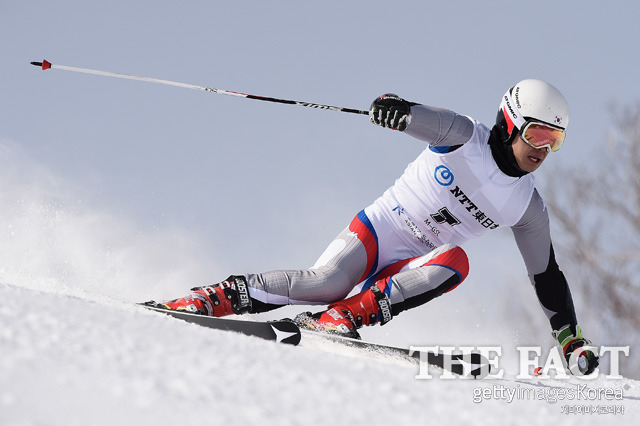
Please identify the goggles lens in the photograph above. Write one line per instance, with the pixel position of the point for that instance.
(541, 135)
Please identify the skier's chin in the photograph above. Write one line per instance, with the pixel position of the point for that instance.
(530, 163)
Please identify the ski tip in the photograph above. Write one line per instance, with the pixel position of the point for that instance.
(44, 64)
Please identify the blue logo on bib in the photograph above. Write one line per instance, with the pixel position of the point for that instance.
(443, 175)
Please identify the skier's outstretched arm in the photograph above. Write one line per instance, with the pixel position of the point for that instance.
(439, 127)
(533, 238)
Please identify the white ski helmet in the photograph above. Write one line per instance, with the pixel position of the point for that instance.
(531, 100)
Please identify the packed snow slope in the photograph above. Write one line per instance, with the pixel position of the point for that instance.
(83, 360)
(76, 350)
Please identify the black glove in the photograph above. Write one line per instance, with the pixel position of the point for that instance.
(571, 341)
(390, 111)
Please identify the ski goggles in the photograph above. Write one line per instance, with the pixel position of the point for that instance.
(541, 135)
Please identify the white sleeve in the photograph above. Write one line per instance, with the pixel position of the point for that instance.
(439, 127)
(533, 236)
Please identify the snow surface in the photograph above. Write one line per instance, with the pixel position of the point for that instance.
(84, 360)
(75, 350)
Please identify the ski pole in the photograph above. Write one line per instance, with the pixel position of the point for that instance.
(48, 65)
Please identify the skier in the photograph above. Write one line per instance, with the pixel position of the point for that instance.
(404, 249)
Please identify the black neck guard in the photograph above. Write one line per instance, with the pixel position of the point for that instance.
(503, 155)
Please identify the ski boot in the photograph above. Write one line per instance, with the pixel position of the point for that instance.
(345, 317)
(231, 296)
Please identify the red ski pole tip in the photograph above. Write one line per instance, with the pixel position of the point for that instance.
(44, 64)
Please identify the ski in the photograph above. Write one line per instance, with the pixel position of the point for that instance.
(286, 331)
(477, 366)
(282, 331)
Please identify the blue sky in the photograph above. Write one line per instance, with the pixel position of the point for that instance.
(256, 186)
